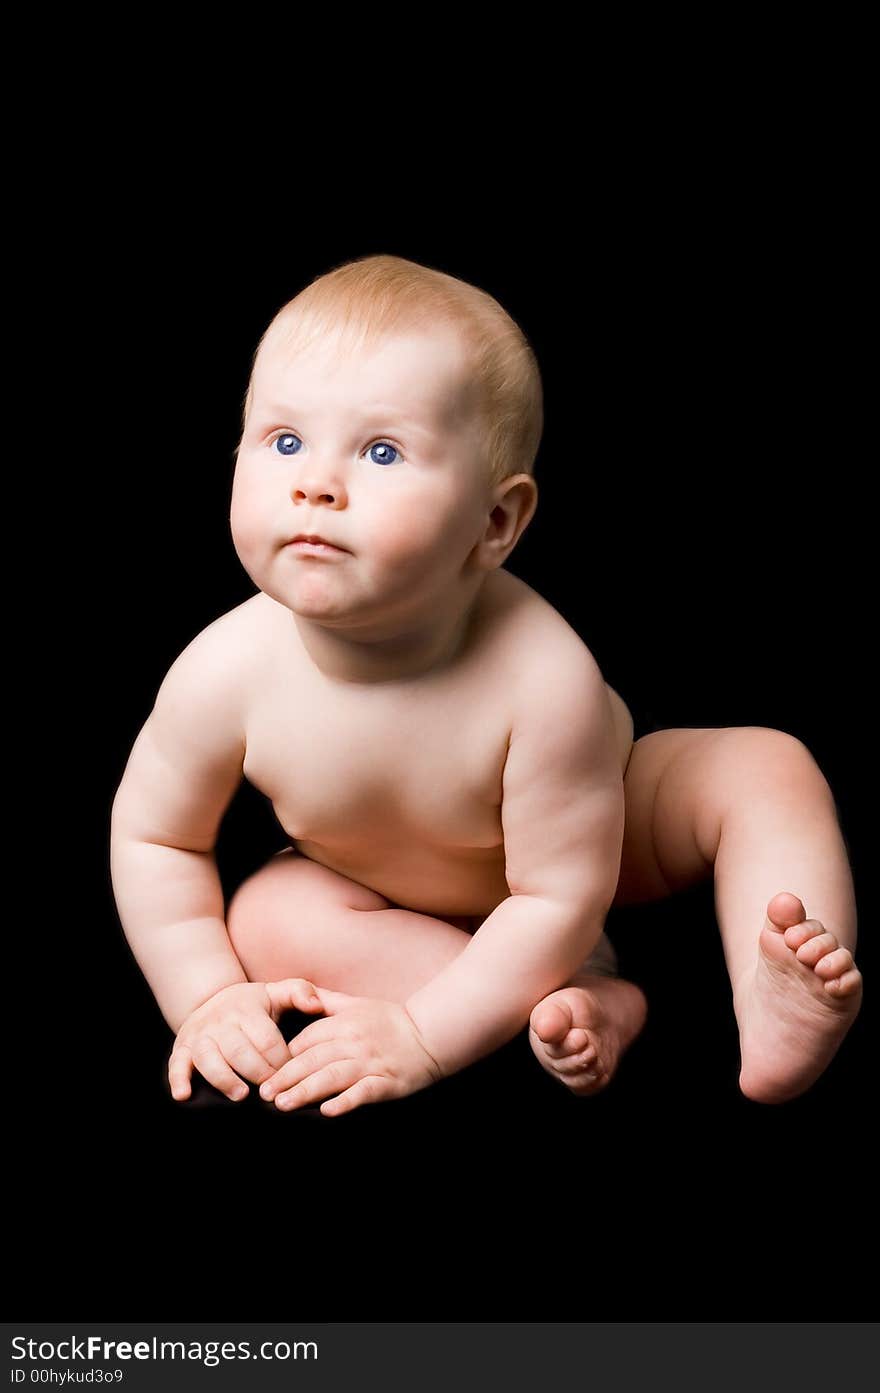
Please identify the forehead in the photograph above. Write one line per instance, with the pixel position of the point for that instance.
(420, 374)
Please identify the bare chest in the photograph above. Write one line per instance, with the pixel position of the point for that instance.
(410, 771)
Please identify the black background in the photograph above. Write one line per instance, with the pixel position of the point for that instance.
(703, 525)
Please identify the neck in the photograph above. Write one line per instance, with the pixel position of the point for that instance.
(392, 653)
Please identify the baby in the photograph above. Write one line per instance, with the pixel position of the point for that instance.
(463, 793)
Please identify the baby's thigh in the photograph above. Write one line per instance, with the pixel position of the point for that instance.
(296, 918)
(287, 918)
(668, 783)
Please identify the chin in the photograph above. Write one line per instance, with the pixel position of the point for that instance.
(310, 603)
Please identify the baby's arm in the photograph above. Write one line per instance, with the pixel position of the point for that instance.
(183, 770)
(563, 818)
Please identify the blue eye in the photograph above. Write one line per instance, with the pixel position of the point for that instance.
(383, 447)
(381, 453)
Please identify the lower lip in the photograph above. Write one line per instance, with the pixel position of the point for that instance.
(315, 549)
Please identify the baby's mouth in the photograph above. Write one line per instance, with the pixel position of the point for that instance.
(314, 545)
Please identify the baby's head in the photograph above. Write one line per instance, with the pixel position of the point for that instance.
(395, 411)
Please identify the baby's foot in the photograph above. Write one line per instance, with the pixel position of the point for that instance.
(579, 1032)
(794, 1012)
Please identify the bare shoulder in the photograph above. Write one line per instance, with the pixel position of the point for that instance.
(542, 649)
(248, 622)
(216, 670)
(550, 672)
(237, 634)
(188, 757)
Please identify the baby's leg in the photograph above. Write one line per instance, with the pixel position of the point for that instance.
(752, 803)
(296, 918)
(580, 1031)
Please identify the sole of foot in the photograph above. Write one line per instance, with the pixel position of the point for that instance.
(796, 1008)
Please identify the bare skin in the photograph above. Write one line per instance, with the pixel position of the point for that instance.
(413, 862)
(749, 805)
(387, 689)
(453, 774)
(390, 778)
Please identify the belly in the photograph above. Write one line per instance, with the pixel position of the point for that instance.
(438, 881)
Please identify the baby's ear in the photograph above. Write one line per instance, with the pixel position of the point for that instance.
(514, 507)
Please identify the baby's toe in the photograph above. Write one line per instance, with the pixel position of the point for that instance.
(801, 933)
(815, 948)
(834, 964)
(572, 1043)
(584, 1062)
(581, 1051)
(551, 1021)
(585, 1081)
(849, 984)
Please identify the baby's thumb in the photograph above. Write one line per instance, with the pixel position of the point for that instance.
(293, 993)
(335, 1001)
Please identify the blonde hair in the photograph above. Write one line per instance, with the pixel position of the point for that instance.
(363, 300)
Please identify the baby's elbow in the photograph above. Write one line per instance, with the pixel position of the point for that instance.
(593, 882)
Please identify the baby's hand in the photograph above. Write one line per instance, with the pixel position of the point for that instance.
(236, 1030)
(364, 1052)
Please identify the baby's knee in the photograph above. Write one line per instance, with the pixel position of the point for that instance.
(254, 908)
(246, 916)
(288, 894)
(766, 758)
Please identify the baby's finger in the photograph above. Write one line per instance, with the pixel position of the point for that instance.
(212, 1066)
(295, 1070)
(180, 1073)
(370, 1089)
(336, 1001)
(268, 1041)
(318, 1033)
(293, 994)
(238, 1050)
(332, 1079)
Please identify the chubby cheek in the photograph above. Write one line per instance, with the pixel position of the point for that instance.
(407, 537)
(247, 523)
(403, 547)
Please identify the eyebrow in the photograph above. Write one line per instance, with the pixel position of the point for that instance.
(375, 413)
